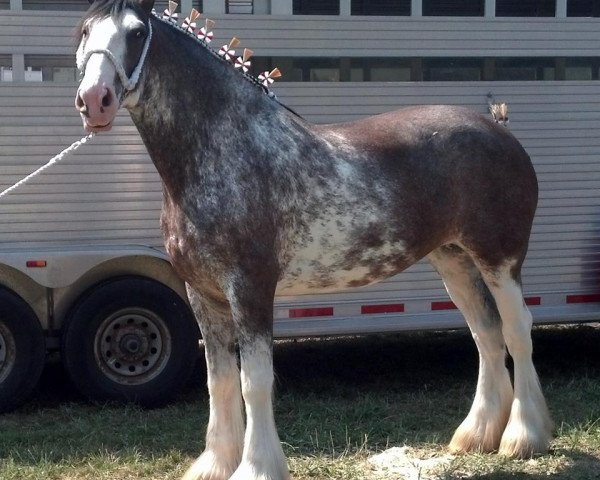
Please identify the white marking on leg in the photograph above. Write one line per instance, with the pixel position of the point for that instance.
(529, 427)
(482, 429)
(263, 457)
(225, 431)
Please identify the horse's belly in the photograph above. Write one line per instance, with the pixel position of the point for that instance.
(340, 259)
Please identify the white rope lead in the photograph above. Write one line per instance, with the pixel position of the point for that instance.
(51, 162)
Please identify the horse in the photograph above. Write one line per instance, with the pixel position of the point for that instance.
(258, 202)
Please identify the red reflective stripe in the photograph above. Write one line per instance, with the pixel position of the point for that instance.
(447, 305)
(585, 298)
(36, 263)
(389, 308)
(311, 312)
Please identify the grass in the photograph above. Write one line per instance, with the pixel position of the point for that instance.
(337, 403)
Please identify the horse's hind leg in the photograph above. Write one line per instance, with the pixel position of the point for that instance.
(482, 428)
(529, 427)
(225, 432)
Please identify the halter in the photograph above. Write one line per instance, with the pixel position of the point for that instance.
(129, 83)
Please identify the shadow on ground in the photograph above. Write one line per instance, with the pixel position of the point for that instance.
(334, 395)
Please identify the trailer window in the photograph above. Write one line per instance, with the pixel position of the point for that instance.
(55, 5)
(319, 69)
(582, 68)
(452, 69)
(50, 68)
(583, 8)
(5, 68)
(380, 7)
(525, 69)
(416, 69)
(525, 8)
(4, 4)
(244, 7)
(453, 8)
(316, 7)
(381, 70)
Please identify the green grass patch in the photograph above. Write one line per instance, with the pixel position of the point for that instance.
(338, 401)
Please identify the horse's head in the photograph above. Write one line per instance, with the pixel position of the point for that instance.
(114, 37)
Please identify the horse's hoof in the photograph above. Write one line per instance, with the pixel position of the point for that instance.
(478, 434)
(529, 430)
(523, 443)
(209, 466)
(247, 471)
(464, 441)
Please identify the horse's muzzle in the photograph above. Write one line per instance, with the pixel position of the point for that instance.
(97, 106)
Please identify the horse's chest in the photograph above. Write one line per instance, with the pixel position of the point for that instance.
(182, 243)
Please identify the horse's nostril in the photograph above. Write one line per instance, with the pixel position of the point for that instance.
(107, 99)
(80, 105)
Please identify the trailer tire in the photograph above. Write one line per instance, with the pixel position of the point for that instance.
(22, 351)
(130, 339)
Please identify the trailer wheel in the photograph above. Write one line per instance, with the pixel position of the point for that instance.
(22, 351)
(130, 339)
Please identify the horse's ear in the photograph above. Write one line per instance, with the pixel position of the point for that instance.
(147, 5)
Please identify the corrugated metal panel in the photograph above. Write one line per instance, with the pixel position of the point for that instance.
(332, 36)
(109, 192)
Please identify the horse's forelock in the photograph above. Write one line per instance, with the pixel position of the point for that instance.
(104, 8)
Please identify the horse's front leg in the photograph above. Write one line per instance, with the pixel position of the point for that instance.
(225, 432)
(252, 310)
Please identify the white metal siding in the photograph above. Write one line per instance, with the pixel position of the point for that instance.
(326, 36)
(109, 192)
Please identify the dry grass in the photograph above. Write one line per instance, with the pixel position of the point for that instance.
(338, 402)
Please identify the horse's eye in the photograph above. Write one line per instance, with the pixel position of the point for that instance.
(85, 32)
(138, 32)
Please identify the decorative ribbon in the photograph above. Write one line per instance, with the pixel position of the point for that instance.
(499, 112)
(243, 62)
(227, 51)
(169, 13)
(189, 24)
(205, 34)
(267, 78)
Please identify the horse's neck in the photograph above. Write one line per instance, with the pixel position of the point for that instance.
(195, 107)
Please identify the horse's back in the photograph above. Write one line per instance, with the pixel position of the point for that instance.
(453, 174)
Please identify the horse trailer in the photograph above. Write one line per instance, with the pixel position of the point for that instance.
(82, 268)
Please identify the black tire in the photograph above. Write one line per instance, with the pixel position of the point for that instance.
(22, 351)
(130, 339)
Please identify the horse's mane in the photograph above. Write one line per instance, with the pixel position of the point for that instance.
(104, 8)
(247, 76)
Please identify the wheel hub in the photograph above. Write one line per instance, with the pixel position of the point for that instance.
(132, 346)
